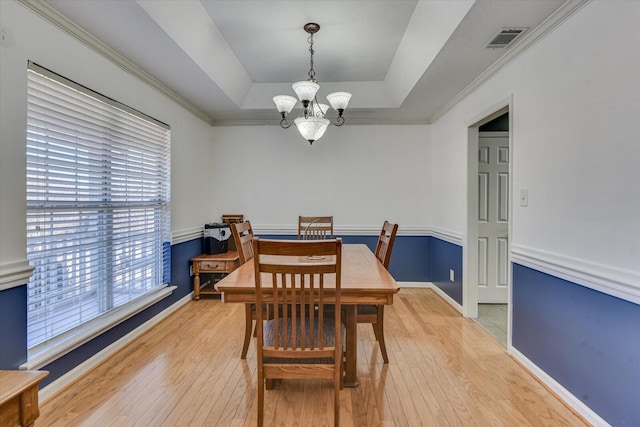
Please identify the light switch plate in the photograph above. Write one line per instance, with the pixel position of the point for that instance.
(524, 198)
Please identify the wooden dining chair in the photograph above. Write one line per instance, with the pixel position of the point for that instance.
(371, 313)
(243, 236)
(297, 341)
(315, 227)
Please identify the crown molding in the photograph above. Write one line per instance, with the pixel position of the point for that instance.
(564, 12)
(82, 35)
(56, 18)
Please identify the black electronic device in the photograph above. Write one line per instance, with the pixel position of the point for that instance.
(216, 238)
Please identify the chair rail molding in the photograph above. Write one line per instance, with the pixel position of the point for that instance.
(447, 235)
(345, 230)
(186, 235)
(15, 273)
(620, 283)
(348, 230)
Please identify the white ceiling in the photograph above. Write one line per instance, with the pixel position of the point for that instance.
(403, 60)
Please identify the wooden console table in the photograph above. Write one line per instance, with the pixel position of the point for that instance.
(19, 397)
(219, 263)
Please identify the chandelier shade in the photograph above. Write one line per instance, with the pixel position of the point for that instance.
(322, 110)
(284, 103)
(311, 128)
(339, 100)
(305, 90)
(311, 123)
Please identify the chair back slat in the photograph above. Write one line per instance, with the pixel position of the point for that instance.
(243, 236)
(385, 243)
(315, 227)
(294, 277)
(298, 273)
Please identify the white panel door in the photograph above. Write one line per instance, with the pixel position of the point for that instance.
(493, 217)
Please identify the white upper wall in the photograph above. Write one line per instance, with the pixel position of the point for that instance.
(362, 175)
(576, 105)
(29, 37)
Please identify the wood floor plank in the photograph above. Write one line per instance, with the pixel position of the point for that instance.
(444, 370)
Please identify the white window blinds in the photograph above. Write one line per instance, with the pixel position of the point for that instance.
(98, 180)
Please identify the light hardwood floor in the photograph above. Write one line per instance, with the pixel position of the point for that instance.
(444, 370)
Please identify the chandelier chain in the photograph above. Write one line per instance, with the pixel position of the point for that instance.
(312, 73)
(312, 121)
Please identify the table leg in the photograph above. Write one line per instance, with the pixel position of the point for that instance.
(351, 368)
(196, 285)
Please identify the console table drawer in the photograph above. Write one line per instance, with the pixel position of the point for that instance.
(218, 265)
(213, 266)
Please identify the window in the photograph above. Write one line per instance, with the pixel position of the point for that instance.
(98, 232)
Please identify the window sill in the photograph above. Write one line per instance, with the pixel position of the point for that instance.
(67, 343)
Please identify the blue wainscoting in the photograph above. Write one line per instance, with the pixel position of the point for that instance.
(410, 258)
(13, 319)
(411, 261)
(447, 256)
(13, 327)
(180, 256)
(589, 342)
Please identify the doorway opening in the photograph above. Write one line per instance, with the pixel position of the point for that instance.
(486, 258)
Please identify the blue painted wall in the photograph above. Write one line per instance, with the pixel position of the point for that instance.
(586, 340)
(410, 257)
(13, 319)
(409, 262)
(13, 327)
(446, 256)
(414, 258)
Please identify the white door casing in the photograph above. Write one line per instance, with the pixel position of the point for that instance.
(493, 217)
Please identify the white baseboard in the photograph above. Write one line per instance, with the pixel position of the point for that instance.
(59, 384)
(565, 395)
(576, 404)
(444, 296)
(415, 285)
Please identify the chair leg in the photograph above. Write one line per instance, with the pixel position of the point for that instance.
(379, 326)
(260, 398)
(247, 330)
(342, 370)
(337, 386)
(336, 406)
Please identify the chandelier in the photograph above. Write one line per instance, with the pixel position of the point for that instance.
(311, 122)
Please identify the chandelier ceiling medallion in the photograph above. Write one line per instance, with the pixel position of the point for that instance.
(311, 122)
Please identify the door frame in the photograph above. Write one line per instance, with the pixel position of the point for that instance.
(470, 239)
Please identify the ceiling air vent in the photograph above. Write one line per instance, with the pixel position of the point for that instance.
(505, 37)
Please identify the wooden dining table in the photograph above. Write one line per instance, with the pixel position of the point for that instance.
(364, 280)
